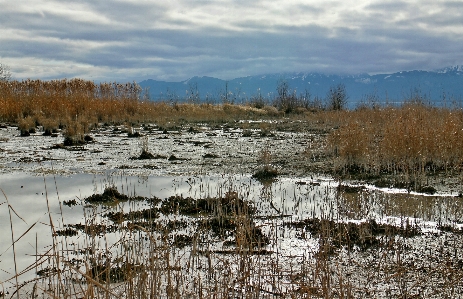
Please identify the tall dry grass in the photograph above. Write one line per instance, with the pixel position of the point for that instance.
(411, 139)
(80, 104)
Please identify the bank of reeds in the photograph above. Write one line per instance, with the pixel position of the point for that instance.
(85, 103)
(412, 139)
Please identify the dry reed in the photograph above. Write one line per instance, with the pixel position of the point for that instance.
(143, 259)
(412, 139)
(78, 104)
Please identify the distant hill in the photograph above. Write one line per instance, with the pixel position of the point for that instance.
(440, 87)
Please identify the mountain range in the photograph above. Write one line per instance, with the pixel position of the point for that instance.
(440, 87)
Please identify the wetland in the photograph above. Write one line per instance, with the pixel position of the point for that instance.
(241, 209)
(106, 194)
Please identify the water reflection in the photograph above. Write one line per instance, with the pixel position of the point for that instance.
(31, 197)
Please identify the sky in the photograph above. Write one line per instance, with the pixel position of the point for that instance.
(174, 40)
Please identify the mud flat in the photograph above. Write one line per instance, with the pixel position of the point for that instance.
(179, 212)
(225, 148)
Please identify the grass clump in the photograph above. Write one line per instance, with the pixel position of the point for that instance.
(266, 171)
(363, 235)
(144, 155)
(109, 195)
(144, 214)
(70, 203)
(228, 205)
(113, 273)
(94, 229)
(73, 141)
(67, 232)
(265, 174)
(185, 206)
(26, 126)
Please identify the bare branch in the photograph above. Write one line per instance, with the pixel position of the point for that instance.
(5, 74)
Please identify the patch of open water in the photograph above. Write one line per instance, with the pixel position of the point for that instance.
(33, 200)
(32, 197)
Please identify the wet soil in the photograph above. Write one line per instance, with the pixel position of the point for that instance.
(215, 149)
(297, 150)
(222, 217)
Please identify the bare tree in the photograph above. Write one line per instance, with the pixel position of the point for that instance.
(284, 100)
(192, 95)
(229, 96)
(283, 89)
(337, 97)
(288, 101)
(5, 74)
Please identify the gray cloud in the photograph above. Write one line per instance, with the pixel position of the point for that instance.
(174, 40)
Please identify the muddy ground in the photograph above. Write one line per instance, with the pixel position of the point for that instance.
(292, 148)
(189, 149)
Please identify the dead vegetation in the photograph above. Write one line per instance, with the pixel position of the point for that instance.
(266, 171)
(169, 250)
(77, 105)
(402, 145)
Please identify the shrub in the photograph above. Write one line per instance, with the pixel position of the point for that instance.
(287, 100)
(271, 111)
(257, 102)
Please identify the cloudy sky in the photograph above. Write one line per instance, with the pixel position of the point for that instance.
(177, 39)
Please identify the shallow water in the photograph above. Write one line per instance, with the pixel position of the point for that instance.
(32, 197)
